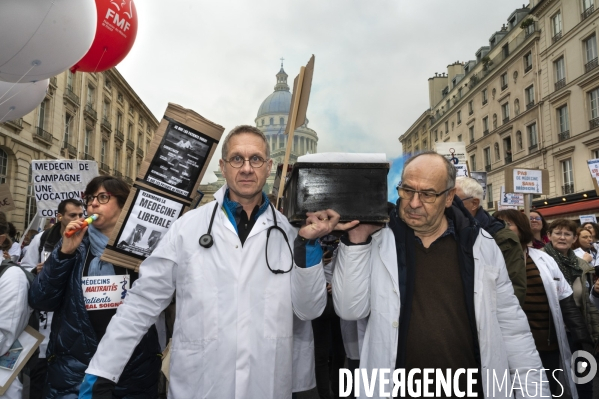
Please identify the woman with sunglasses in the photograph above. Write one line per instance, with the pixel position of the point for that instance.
(539, 229)
(549, 306)
(78, 327)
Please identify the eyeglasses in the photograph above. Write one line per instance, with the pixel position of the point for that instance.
(465, 199)
(427, 197)
(238, 161)
(103, 198)
(535, 218)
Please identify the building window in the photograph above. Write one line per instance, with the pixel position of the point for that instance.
(459, 137)
(505, 50)
(130, 131)
(594, 104)
(459, 117)
(556, 26)
(424, 144)
(103, 151)
(490, 196)
(282, 143)
(3, 166)
(42, 114)
(91, 95)
(117, 159)
(87, 140)
(562, 119)
(128, 167)
(487, 158)
(505, 111)
(528, 62)
(595, 154)
(531, 131)
(262, 121)
(485, 96)
(106, 111)
(272, 121)
(30, 206)
(446, 127)
(471, 133)
(436, 136)
(140, 140)
(281, 121)
(470, 108)
(560, 73)
(519, 140)
(70, 80)
(473, 162)
(485, 125)
(119, 122)
(503, 80)
(68, 128)
(567, 176)
(590, 49)
(529, 94)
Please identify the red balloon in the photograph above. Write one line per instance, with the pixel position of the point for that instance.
(115, 35)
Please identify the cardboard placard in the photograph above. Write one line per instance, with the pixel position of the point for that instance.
(456, 153)
(540, 180)
(6, 201)
(169, 176)
(30, 340)
(510, 199)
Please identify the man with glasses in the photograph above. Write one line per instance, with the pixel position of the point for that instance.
(241, 294)
(436, 291)
(471, 194)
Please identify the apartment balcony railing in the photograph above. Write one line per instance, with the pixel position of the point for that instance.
(43, 135)
(508, 159)
(565, 135)
(594, 123)
(485, 101)
(506, 120)
(16, 124)
(104, 167)
(140, 152)
(488, 168)
(119, 135)
(88, 157)
(528, 68)
(116, 173)
(485, 132)
(556, 37)
(70, 148)
(130, 144)
(533, 147)
(560, 83)
(568, 189)
(106, 124)
(91, 112)
(530, 105)
(592, 64)
(70, 96)
(586, 13)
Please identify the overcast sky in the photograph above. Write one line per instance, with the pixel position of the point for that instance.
(373, 59)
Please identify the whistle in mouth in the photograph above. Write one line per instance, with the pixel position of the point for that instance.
(86, 222)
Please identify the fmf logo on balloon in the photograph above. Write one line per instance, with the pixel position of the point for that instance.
(121, 23)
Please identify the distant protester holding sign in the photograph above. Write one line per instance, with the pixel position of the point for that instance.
(243, 297)
(84, 292)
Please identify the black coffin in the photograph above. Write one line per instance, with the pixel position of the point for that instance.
(357, 191)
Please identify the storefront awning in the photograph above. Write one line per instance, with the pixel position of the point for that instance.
(576, 207)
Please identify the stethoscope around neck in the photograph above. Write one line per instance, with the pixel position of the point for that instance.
(206, 240)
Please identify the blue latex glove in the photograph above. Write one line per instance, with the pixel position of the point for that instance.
(94, 387)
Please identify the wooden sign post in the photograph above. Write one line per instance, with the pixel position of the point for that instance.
(527, 182)
(297, 115)
(166, 185)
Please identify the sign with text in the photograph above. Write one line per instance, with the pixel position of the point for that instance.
(528, 181)
(6, 202)
(57, 180)
(594, 168)
(104, 292)
(455, 152)
(587, 218)
(510, 199)
(150, 216)
(179, 160)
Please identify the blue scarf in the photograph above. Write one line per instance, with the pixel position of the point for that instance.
(98, 242)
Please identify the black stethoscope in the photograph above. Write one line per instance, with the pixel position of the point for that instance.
(207, 241)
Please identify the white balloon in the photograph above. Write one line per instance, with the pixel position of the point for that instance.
(42, 38)
(18, 99)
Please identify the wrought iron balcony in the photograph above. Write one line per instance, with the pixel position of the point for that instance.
(560, 83)
(586, 13)
(565, 135)
(592, 64)
(116, 173)
(70, 148)
(508, 159)
(568, 189)
(43, 135)
(119, 135)
(488, 168)
(530, 29)
(106, 124)
(104, 167)
(485, 132)
(530, 105)
(556, 37)
(70, 95)
(90, 111)
(140, 152)
(88, 157)
(594, 123)
(130, 144)
(533, 147)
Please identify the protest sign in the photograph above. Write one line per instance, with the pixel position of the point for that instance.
(104, 292)
(594, 169)
(456, 153)
(57, 180)
(6, 201)
(510, 199)
(528, 181)
(587, 218)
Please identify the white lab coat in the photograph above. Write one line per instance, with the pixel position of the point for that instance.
(365, 283)
(234, 328)
(580, 252)
(556, 288)
(14, 316)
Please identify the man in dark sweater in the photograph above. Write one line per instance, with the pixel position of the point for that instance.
(471, 194)
(436, 291)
